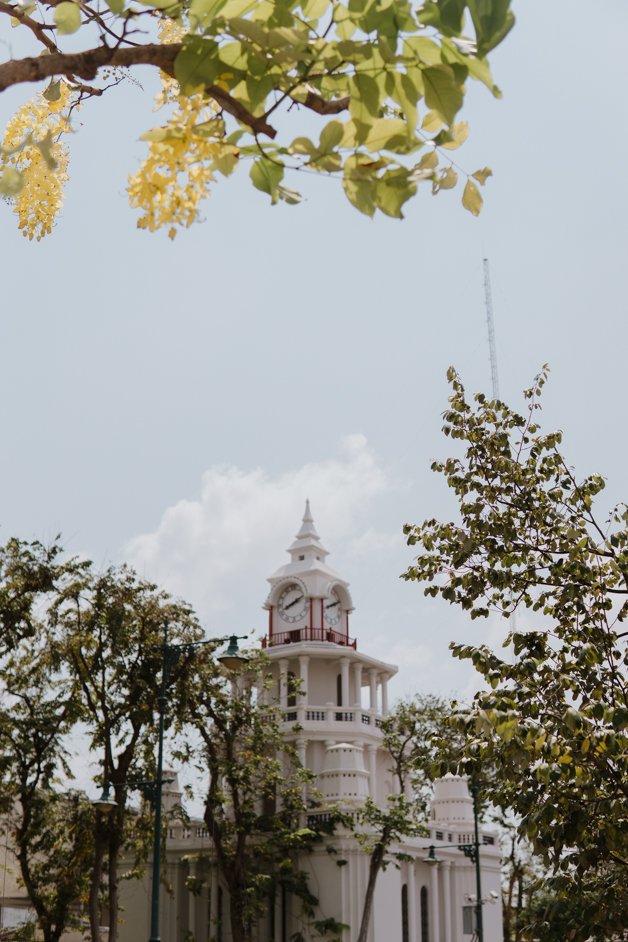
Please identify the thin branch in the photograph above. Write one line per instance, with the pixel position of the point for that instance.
(36, 28)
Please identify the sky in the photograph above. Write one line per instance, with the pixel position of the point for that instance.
(174, 404)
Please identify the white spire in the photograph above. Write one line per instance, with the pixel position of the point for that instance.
(308, 530)
(307, 543)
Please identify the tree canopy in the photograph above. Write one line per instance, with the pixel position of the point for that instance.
(385, 80)
(554, 719)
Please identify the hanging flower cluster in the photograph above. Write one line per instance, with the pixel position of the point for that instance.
(36, 161)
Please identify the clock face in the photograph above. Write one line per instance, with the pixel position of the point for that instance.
(292, 603)
(332, 608)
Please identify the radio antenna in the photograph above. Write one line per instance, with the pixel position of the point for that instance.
(491, 329)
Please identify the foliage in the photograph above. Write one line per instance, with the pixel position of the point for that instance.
(86, 657)
(51, 833)
(110, 632)
(555, 716)
(386, 80)
(256, 793)
(416, 735)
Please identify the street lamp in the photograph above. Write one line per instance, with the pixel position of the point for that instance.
(171, 653)
(472, 851)
(231, 660)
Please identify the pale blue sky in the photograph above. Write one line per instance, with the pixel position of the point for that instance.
(260, 339)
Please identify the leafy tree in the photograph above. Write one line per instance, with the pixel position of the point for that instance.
(110, 632)
(51, 832)
(554, 718)
(255, 799)
(386, 80)
(416, 736)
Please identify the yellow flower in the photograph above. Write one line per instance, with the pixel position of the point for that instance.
(175, 176)
(33, 134)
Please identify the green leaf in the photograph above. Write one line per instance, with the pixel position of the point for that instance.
(447, 179)
(492, 21)
(11, 181)
(442, 92)
(388, 134)
(116, 6)
(359, 191)
(471, 198)
(292, 197)
(266, 176)
(197, 64)
(53, 90)
(226, 160)
(331, 136)
(482, 175)
(392, 190)
(67, 17)
(365, 101)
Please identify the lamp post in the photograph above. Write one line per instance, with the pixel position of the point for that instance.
(171, 653)
(231, 659)
(472, 851)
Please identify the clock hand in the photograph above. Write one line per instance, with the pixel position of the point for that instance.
(290, 604)
(333, 604)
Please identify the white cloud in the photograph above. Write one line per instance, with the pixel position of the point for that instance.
(217, 550)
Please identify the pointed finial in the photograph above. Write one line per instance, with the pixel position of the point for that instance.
(307, 525)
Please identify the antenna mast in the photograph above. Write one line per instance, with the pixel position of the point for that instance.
(491, 329)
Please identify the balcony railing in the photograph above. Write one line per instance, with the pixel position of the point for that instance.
(308, 634)
(331, 714)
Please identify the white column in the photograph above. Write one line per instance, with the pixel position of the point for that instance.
(384, 696)
(372, 762)
(412, 920)
(446, 868)
(357, 680)
(304, 695)
(283, 683)
(433, 906)
(373, 689)
(344, 681)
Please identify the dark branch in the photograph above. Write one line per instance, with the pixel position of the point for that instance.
(86, 64)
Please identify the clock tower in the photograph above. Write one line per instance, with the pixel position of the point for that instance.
(337, 695)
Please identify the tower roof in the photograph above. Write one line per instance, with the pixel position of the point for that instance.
(308, 563)
(307, 541)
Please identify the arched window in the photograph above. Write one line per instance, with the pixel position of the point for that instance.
(405, 930)
(425, 916)
(339, 690)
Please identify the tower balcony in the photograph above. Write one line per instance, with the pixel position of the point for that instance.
(298, 635)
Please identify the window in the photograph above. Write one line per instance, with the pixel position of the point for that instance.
(405, 930)
(339, 690)
(292, 690)
(425, 916)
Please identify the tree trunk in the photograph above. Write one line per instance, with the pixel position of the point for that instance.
(375, 865)
(236, 916)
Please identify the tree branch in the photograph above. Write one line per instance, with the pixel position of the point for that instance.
(320, 105)
(86, 64)
(36, 28)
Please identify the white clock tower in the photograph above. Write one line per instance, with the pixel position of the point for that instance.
(336, 697)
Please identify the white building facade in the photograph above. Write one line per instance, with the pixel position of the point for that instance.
(338, 704)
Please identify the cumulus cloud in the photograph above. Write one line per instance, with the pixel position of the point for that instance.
(217, 549)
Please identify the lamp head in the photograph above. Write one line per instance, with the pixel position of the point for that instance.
(232, 659)
(431, 858)
(106, 803)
